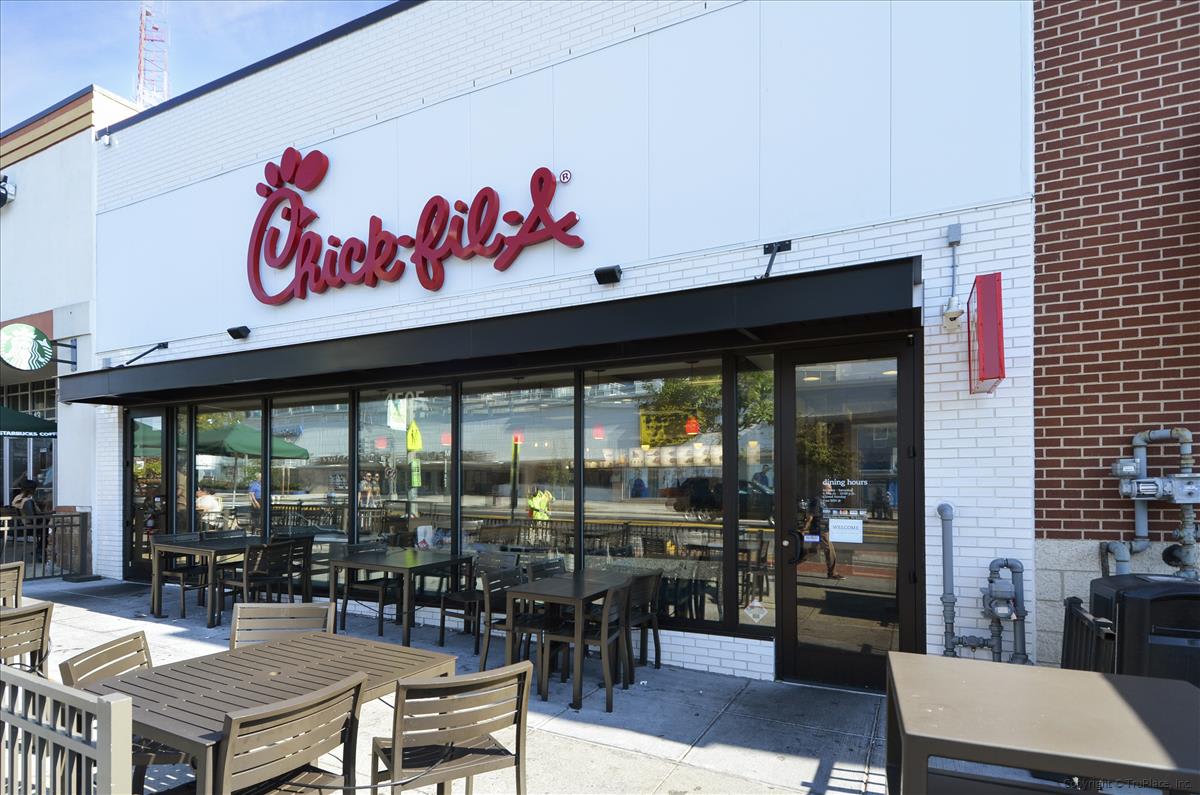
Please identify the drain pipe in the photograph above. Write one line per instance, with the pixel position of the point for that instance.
(1017, 572)
(946, 512)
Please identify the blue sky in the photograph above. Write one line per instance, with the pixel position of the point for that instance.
(50, 49)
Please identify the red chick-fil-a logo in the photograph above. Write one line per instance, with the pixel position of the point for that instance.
(443, 230)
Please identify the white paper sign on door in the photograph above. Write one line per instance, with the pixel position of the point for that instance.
(845, 531)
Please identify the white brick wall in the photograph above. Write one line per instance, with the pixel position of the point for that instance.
(978, 450)
(429, 53)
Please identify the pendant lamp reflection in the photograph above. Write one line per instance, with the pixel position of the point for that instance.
(445, 438)
(692, 426)
(598, 432)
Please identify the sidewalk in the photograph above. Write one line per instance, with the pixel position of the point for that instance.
(673, 731)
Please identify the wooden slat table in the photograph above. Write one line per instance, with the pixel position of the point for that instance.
(206, 550)
(577, 590)
(407, 563)
(184, 704)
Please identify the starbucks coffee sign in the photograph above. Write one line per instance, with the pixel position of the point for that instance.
(25, 347)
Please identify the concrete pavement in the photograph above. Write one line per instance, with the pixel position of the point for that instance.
(673, 731)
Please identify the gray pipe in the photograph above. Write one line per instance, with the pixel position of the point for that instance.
(997, 644)
(946, 512)
(1189, 554)
(1017, 572)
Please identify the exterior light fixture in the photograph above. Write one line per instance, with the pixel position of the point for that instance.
(608, 275)
(238, 332)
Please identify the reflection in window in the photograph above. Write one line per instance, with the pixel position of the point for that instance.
(518, 451)
(403, 485)
(183, 454)
(652, 475)
(756, 490)
(310, 467)
(228, 461)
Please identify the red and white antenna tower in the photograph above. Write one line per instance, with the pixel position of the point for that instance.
(152, 55)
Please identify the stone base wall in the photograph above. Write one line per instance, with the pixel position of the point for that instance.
(1066, 568)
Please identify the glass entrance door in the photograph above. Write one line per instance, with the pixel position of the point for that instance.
(843, 481)
(146, 501)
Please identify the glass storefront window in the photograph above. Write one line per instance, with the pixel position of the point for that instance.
(310, 467)
(518, 454)
(756, 490)
(228, 462)
(652, 475)
(183, 455)
(403, 490)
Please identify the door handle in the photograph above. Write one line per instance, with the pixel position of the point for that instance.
(798, 551)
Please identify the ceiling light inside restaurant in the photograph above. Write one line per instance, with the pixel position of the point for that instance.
(889, 372)
(692, 426)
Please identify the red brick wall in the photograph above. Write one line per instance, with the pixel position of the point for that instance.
(1117, 251)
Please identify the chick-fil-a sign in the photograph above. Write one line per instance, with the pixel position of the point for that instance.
(444, 230)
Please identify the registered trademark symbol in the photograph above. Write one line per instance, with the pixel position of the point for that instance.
(564, 176)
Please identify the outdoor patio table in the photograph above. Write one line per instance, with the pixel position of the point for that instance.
(575, 590)
(184, 704)
(1101, 726)
(207, 550)
(403, 562)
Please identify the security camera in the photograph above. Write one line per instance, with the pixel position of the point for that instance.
(8, 191)
(952, 316)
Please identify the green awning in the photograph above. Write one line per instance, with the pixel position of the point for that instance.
(16, 423)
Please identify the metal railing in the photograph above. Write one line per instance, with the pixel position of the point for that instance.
(60, 740)
(53, 545)
(1089, 643)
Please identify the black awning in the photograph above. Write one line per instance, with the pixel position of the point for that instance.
(765, 310)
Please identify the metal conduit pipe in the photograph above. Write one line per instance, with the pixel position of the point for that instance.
(1189, 555)
(1017, 572)
(946, 512)
(951, 642)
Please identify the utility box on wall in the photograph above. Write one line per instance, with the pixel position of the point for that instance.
(985, 334)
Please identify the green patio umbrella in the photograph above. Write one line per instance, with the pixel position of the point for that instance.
(147, 441)
(240, 439)
(17, 423)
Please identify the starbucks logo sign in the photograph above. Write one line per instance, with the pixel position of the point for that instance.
(24, 347)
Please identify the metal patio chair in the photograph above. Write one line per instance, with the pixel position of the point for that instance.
(25, 636)
(12, 583)
(259, 623)
(442, 729)
(115, 658)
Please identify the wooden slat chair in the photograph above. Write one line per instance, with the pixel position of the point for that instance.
(258, 623)
(274, 747)
(442, 729)
(643, 614)
(606, 630)
(371, 585)
(12, 583)
(467, 602)
(117, 657)
(267, 569)
(547, 567)
(495, 602)
(25, 636)
(182, 569)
